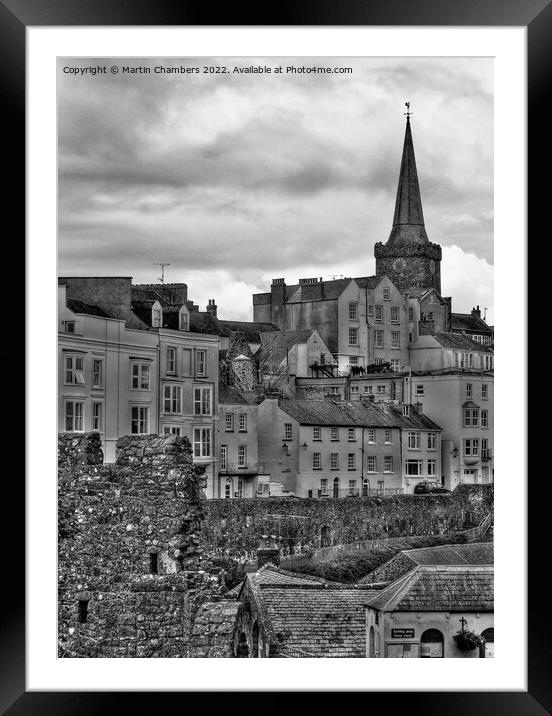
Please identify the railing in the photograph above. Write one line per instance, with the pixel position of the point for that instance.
(358, 492)
(295, 654)
(476, 533)
(236, 468)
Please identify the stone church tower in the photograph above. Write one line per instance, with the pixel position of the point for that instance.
(409, 258)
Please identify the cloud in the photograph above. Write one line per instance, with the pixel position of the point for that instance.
(252, 175)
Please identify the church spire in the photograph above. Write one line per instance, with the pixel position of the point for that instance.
(408, 221)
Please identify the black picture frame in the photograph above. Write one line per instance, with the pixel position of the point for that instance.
(536, 16)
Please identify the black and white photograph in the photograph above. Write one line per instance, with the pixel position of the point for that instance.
(275, 357)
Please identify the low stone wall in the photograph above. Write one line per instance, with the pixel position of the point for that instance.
(131, 574)
(234, 527)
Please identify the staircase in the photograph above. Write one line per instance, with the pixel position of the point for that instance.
(476, 533)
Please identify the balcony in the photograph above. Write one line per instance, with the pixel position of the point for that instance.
(234, 468)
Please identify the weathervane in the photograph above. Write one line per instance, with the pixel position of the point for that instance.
(408, 112)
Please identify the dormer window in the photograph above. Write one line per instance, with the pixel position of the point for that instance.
(156, 315)
(184, 319)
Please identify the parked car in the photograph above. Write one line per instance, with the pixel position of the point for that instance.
(427, 486)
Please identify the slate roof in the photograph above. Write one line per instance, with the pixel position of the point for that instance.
(321, 291)
(439, 589)
(342, 413)
(314, 619)
(471, 553)
(336, 413)
(229, 395)
(275, 345)
(452, 340)
(369, 281)
(88, 309)
(469, 322)
(415, 418)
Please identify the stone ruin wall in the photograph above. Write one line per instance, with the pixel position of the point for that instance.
(112, 519)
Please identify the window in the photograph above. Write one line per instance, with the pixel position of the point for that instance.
(387, 436)
(69, 326)
(172, 430)
(379, 339)
(229, 422)
(316, 433)
(413, 441)
(156, 317)
(419, 390)
(367, 388)
(83, 611)
(172, 399)
(353, 360)
(351, 434)
(243, 422)
(386, 294)
(388, 463)
(242, 456)
(353, 311)
(73, 416)
(97, 373)
(410, 314)
(324, 485)
(228, 489)
(413, 467)
(469, 390)
(370, 310)
(432, 441)
(431, 644)
(354, 390)
(379, 314)
(395, 339)
(334, 433)
(394, 314)
(202, 401)
(484, 449)
(335, 390)
(202, 442)
(334, 461)
(200, 362)
(371, 463)
(371, 435)
(470, 360)
(353, 336)
(316, 461)
(184, 321)
(484, 418)
(74, 370)
(432, 468)
(471, 418)
(351, 461)
(489, 363)
(484, 391)
(154, 563)
(395, 367)
(471, 446)
(139, 420)
(352, 487)
(140, 376)
(288, 431)
(224, 457)
(171, 359)
(96, 416)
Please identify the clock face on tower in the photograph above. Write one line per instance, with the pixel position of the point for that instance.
(432, 265)
(399, 265)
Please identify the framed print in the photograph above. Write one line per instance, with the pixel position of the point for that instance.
(269, 249)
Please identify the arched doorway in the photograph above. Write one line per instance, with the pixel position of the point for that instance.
(336, 487)
(366, 487)
(487, 652)
(431, 644)
(371, 643)
(255, 641)
(242, 650)
(325, 536)
(228, 488)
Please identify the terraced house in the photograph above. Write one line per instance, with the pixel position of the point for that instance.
(333, 448)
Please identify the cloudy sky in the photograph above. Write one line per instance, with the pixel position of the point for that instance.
(235, 179)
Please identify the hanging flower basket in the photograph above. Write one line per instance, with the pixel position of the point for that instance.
(468, 640)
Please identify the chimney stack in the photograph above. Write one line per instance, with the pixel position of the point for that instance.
(476, 312)
(268, 551)
(212, 307)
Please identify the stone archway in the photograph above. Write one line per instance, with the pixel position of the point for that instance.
(255, 654)
(325, 536)
(242, 649)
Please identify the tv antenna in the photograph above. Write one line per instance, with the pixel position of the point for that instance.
(485, 314)
(162, 277)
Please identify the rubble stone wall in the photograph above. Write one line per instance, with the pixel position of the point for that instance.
(234, 527)
(131, 575)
